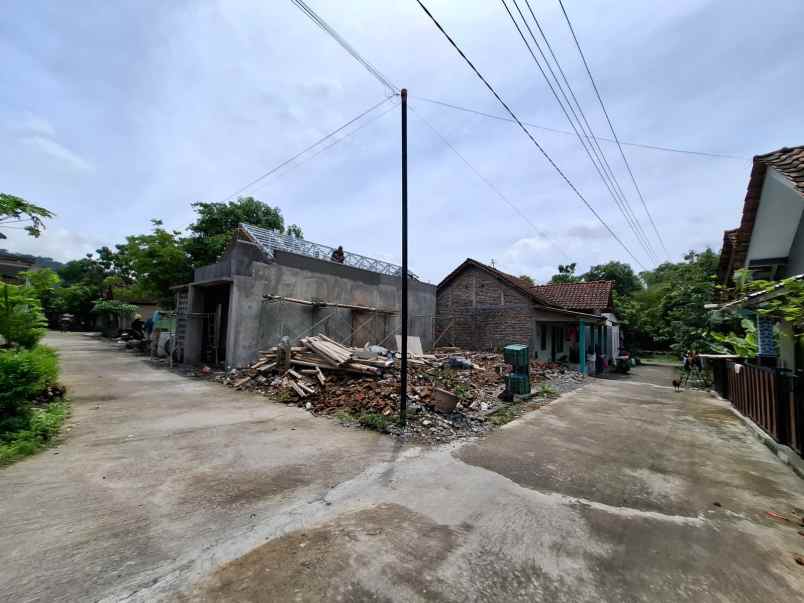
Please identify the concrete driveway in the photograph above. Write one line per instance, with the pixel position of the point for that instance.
(174, 489)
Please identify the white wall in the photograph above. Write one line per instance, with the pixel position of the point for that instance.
(778, 217)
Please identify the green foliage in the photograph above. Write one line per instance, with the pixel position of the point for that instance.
(528, 280)
(16, 209)
(372, 420)
(547, 390)
(295, 230)
(746, 345)
(566, 274)
(114, 306)
(669, 313)
(216, 222)
(626, 281)
(24, 374)
(785, 301)
(155, 262)
(22, 322)
(43, 282)
(42, 426)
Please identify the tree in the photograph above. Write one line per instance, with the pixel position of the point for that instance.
(528, 280)
(669, 313)
(21, 320)
(152, 263)
(213, 228)
(43, 282)
(626, 282)
(566, 274)
(15, 210)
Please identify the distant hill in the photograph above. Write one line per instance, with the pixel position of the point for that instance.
(39, 260)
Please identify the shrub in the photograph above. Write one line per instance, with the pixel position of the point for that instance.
(22, 322)
(24, 374)
(43, 425)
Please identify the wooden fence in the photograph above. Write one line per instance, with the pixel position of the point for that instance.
(773, 399)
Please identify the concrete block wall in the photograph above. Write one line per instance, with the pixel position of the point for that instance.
(255, 324)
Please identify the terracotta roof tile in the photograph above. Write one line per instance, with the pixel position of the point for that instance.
(578, 296)
(789, 162)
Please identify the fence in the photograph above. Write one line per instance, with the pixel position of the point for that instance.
(772, 398)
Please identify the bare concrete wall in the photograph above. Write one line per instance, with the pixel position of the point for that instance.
(255, 324)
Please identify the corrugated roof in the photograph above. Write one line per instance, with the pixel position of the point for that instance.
(271, 240)
(595, 295)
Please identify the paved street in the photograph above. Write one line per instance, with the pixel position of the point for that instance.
(168, 488)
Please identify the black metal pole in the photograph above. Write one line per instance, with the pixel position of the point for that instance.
(403, 388)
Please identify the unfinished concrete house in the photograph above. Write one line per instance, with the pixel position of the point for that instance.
(481, 308)
(268, 285)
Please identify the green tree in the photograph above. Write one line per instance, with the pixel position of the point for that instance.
(566, 274)
(216, 222)
(626, 282)
(669, 312)
(153, 263)
(528, 280)
(16, 210)
(22, 323)
(43, 282)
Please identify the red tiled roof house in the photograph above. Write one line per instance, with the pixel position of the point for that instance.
(481, 308)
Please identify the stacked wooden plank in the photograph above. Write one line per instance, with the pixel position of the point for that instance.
(308, 360)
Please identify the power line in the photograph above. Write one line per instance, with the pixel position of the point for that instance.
(567, 132)
(528, 134)
(611, 126)
(326, 137)
(345, 45)
(489, 184)
(594, 141)
(386, 82)
(349, 134)
(612, 191)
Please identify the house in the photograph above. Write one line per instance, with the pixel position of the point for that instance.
(481, 308)
(268, 285)
(595, 297)
(11, 266)
(769, 243)
(770, 238)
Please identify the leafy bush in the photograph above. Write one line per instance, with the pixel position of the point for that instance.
(22, 322)
(42, 427)
(371, 420)
(24, 374)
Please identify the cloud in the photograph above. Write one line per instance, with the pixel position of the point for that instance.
(56, 242)
(31, 124)
(58, 151)
(584, 232)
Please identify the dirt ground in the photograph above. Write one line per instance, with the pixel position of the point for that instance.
(168, 488)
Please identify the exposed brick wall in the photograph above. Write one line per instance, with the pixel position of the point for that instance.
(482, 313)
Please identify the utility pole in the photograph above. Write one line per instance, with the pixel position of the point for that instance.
(403, 391)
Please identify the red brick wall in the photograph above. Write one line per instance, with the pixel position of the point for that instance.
(480, 312)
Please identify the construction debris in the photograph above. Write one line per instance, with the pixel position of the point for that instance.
(451, 393)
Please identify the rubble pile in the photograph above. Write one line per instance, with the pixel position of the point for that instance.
(451, 393)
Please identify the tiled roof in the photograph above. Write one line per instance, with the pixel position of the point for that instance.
(789, 162)
(578, 296)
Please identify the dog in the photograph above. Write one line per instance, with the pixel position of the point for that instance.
(677, 385)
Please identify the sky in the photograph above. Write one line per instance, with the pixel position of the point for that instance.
(115, 113)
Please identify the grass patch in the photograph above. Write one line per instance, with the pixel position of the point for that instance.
(547, 390)
(506, 414)
(43, 426)
(372, 420)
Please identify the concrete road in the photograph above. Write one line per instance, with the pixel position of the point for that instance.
(180, 490)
